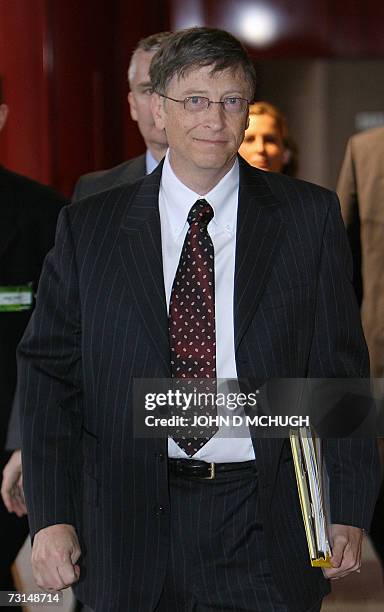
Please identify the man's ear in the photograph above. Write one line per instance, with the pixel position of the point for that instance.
(157, 108)
(4, 110)
(132, 106)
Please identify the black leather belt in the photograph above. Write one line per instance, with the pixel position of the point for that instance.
(192, 468)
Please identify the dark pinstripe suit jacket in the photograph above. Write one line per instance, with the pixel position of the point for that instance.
(101, 321)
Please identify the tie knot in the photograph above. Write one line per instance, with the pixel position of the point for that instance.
(201, 213)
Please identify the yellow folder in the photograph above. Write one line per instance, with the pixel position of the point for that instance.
(312, 487)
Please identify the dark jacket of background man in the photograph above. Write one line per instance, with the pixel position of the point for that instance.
(127, 172)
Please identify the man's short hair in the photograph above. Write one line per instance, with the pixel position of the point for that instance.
(197, 47)
(149, 43)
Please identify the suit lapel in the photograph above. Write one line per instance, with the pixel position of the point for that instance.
(259, 236)
(140, 248)
(8, 213)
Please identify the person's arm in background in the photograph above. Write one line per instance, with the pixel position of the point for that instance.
(12, 485)
(347, 192)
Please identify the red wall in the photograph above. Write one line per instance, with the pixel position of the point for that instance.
(148, 17)
(305, 28)
(25, 141)
(63, 66)
(83, 126)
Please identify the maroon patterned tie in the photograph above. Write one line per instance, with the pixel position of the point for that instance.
(192, 319)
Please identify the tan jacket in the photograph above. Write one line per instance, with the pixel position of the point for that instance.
(361, 191)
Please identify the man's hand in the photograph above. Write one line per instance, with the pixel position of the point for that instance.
(346, 551)
(12, 485)
(55, 553)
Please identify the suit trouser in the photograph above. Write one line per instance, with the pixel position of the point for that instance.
(217, 558)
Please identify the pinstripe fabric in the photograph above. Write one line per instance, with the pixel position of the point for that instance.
(214, 536)
(101, 321)
(217, 557)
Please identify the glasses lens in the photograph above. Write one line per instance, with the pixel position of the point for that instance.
(196, 103)
(235, 105)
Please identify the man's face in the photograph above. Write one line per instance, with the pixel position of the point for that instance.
(206, 141)
(263, 144)
(139, 99)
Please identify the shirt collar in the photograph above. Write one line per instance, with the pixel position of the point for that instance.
(150, 162)
(179, 199)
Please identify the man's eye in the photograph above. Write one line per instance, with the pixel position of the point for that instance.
(231, 101)
(195, 100)
(148, 92)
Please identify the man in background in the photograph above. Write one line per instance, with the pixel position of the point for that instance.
(361, 191)
(139, 99)
(28, 214)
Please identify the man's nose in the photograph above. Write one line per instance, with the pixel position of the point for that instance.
(215, 116)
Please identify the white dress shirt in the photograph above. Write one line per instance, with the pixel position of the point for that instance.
(175, 202)
(150, 162)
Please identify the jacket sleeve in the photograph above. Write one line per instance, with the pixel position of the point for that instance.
(339, 351)
(347, 192)
(13, 439)
(38, 219)
(50, 386)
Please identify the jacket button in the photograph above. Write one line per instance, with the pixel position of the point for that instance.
(160, 510)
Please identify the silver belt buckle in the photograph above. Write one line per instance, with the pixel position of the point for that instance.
(212, 472)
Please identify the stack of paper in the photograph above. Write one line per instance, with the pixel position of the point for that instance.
(312, 484)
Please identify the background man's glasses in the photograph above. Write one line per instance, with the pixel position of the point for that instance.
(195, 104)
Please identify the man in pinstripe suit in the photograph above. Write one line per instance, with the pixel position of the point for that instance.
(146, 524)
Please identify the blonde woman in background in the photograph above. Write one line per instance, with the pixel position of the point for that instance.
(267, 143)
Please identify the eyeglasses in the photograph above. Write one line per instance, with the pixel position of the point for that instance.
(196, 104)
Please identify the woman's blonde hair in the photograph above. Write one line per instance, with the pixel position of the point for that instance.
(291, 166)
